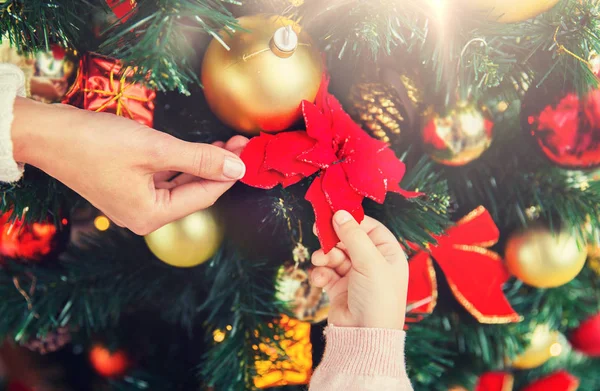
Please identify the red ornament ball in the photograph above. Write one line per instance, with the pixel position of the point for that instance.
(31, 241)
(586, 338)
(107, 363)
(568, 133)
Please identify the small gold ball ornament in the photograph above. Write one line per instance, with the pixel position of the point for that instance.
(459, 137)
(543, 345)
(189, 241)
(510, 11)
(255, 78)
(544, 259)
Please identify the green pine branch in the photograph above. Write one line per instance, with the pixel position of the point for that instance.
(32, 25)
(158, 39)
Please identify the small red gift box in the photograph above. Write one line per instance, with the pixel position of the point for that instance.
(104, 85)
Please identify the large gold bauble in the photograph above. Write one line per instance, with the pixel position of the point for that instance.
(459, 137)
(509, 11)
(544, 344)
(255, 85)
(189, 241)
(544, 259)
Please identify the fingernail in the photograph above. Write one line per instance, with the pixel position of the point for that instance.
(233, 168)
(342, 217)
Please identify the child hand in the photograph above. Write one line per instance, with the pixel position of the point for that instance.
(365, 276)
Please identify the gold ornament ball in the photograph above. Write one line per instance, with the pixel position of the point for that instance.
(459, 137)
(457, 388)
(509, 11)
(189, 241)
(544, 259)
(259, 83)
(543, 345)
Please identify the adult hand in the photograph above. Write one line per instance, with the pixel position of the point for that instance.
(122, 167)
(366, 275)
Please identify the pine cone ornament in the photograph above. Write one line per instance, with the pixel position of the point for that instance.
(379, 109)
(51, 342)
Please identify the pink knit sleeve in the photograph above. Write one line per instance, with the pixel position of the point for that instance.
(361, 359)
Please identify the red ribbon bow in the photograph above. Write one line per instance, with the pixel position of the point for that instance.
(502, 381)
(474, 273)
(351, 164)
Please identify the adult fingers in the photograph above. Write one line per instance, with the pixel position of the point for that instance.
(161, 181)
(201, 160)
(188, 198)
(359, 246)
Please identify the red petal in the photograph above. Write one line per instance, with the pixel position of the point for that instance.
(322, 155)
(338, 192)
(422, 284)
(283, 151)
(558, 381)
(292, 180)
(363, 171)
(495, 381)
(324, 215)
(318, 125)
(254, 156)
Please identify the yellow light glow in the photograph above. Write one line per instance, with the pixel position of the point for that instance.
(102, 223)
(218, 336)
(556, 349)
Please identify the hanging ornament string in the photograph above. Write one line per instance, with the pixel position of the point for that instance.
(562, 49)
(462, 54)
(25, 295)
(119, 95)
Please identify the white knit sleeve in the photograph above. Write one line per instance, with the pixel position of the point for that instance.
(12, 84)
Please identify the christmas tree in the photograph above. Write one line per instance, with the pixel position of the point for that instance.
(483, 124)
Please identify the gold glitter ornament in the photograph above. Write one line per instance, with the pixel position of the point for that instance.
(308, 303)
(460, 136)
(378, 107)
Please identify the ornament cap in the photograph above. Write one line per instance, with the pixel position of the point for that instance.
(284, 42)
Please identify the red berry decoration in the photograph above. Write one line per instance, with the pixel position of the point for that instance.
(586, 338)
(568, 133)
(31, 241)
(107, 363)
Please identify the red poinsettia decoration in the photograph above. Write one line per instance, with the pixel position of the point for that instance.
(474, 273)
(350, 164)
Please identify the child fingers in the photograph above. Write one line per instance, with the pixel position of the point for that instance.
(324, 277)
(335, 259)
